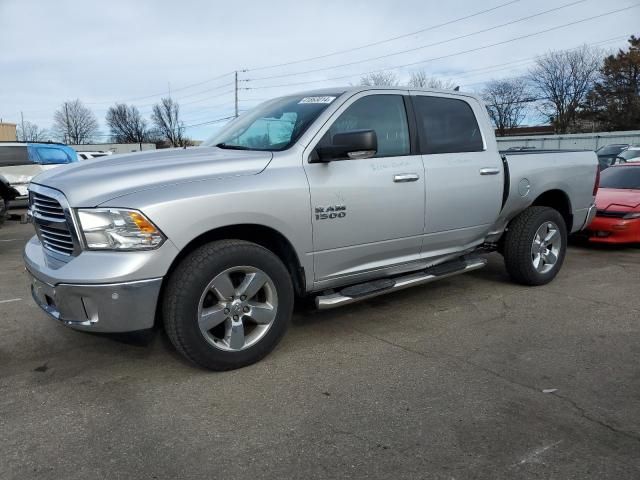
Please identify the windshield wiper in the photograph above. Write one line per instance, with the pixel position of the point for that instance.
(232, 147)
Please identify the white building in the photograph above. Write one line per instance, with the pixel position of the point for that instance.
(114, 147)
(578, 141)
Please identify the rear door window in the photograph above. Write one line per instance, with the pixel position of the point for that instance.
(52, 155)
(14, 155)
(446, 125)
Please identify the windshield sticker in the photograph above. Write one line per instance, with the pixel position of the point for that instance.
(317, 100)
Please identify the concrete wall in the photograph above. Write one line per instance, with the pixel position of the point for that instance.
(114, 147)
(582, 141)
(8, 132)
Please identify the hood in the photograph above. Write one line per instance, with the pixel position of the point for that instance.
(617, 199)
(92, 182)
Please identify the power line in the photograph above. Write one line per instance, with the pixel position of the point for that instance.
(484, 47)
(380, 42)
(495, 67)
(433, 27)
(228, 92)
(413, 49)
(179, 100)
(163, 93)
(210, 122)
(525, 61)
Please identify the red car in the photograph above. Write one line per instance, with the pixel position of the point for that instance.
(618, 204)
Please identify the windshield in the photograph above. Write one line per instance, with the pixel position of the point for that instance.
(630, 154)
(627, 178)
(273, 125)
(610, 149)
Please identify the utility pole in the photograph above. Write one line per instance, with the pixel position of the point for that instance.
(22, 123)
(236, 93)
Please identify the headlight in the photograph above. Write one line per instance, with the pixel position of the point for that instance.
(118, 229)
(631, 215)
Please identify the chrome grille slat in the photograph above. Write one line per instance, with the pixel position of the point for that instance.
(58, 248)
(47, 205)
(43, 201)
(57, 241)
(51, 214)
(52, 224)
(49, 209)
(53, 232)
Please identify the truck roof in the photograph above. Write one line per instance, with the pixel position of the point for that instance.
(357, 89)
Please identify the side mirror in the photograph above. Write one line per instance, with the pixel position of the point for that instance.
(356, 144)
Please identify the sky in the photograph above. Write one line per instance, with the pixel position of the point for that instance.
(103, 52)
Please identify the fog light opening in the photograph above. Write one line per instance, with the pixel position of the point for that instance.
(50, 301)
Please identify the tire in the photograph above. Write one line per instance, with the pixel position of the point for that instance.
(3, 210)
(529, 261)
(206, 289)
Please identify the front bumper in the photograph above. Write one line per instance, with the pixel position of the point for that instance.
(614, 230)
(99, 291)
(114, 307)
(19, 202)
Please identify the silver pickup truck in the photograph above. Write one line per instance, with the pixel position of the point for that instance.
(338, 194)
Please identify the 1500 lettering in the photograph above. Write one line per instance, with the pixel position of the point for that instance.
(331, 212)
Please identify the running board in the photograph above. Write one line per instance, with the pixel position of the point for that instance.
(364, 291)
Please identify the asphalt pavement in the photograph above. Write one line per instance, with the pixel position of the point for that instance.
(471, 377)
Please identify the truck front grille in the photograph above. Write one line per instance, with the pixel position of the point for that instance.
(46, 207)
(52, 224)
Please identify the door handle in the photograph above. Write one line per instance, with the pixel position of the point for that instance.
(406, 177)
(489, 171)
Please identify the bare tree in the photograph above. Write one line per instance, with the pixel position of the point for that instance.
(507, 102)
(563, 79)
(166, 118)
(74, 123)
(420, 79)
(126, 124)
(379, 79)
(30, 132)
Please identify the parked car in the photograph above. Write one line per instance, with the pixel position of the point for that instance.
(632, 154)
(607, 154)
(340, 194)
(618, 202)
(88, 155)
(20, 162)
(7, 194)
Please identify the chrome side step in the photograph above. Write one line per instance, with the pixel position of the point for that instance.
(357, 293)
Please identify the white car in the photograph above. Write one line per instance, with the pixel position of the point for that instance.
(88, 155)
(630, 155)
(21, 161)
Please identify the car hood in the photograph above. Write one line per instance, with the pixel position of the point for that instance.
(612, 199)
(95, 181)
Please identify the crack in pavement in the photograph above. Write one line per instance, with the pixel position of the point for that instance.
(594, 301)
(581, 411)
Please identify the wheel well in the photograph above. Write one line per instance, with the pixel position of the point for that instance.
(559, 201)
(264, 236)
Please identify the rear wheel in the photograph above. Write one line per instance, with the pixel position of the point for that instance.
(228, 304)
(535, 246)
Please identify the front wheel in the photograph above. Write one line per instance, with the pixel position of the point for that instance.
(3, 210)
(535, 245)
(228, 304)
